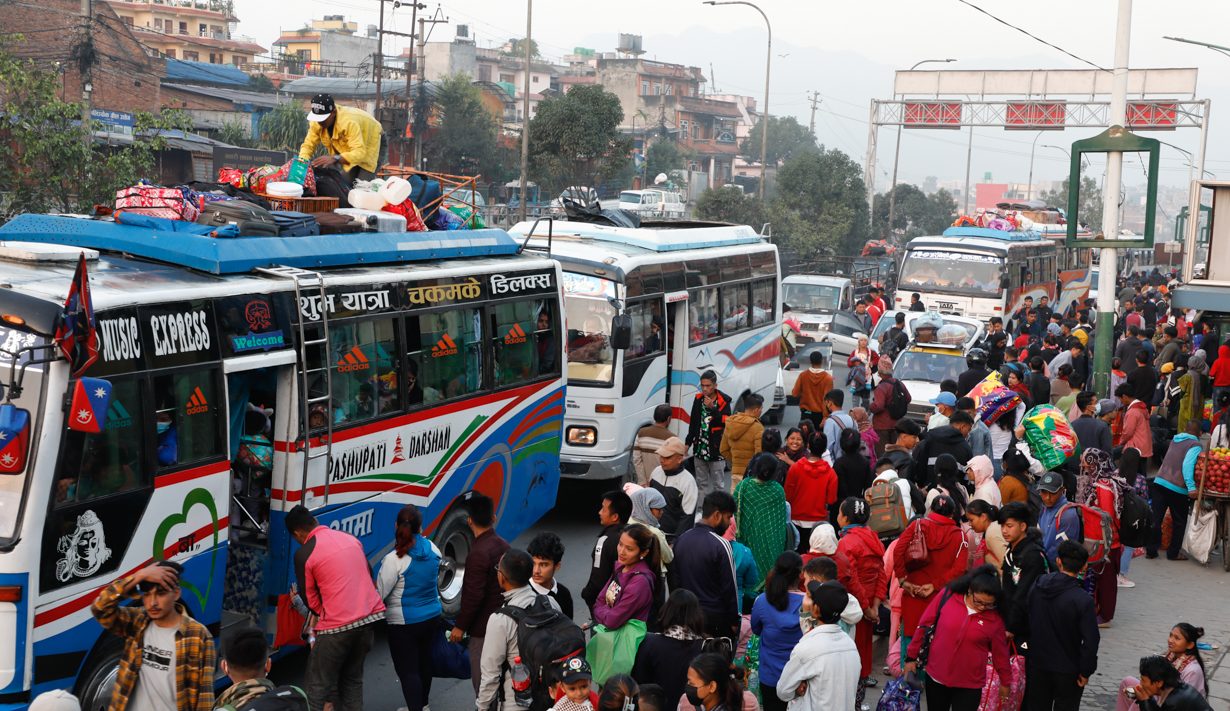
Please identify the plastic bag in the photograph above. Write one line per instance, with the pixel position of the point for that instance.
(408, 210)
(1016, 689)
(1200, 535)
(612, 652)
(899, 695)
(1050, 436)
(929, 319)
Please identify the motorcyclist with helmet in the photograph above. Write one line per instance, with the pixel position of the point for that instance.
(976, 359)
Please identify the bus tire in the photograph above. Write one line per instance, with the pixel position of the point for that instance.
(96, 684)
(454, 539)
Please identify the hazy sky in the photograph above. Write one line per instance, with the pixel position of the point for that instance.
(847, 51)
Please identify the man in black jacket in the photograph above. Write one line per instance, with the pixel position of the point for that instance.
(1091, 431)
(1039, 385)
(705, 564)
(941, 440)
(481, 595)
(1144, 379)
(1024, 563)
(710, 408)
(1063, 634)
(614, 514)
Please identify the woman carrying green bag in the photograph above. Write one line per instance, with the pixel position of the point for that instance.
(624, 605)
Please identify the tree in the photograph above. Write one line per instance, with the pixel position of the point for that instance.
(1089, 213)
(575, 139)
(466, 140)
(235, 134)
(729, 204)
(516, 47)
(261, 83)
(916, 213)
(820, 204)
(283, 128)
(47, 164)
(663, 156)
(787, 139)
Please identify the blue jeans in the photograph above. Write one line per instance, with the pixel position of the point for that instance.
(1126, 562)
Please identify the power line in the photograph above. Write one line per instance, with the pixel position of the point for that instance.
(1032, 35)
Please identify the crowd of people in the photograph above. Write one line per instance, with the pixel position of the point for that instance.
(746, 568)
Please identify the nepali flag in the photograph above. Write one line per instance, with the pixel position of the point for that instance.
(14, 438)
(76, 334)
(88, 412)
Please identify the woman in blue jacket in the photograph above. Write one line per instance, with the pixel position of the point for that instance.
(407, 582)
(775, 617)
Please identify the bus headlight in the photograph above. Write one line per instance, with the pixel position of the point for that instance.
(582, 436)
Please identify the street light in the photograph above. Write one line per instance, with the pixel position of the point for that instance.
(892, 190)
(1215, 47)
(764, 133)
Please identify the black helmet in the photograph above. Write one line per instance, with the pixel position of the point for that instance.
(976, 358)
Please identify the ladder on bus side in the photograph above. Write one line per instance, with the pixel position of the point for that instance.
(311, 284)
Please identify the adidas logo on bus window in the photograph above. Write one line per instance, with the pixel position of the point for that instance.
(354, 360)
(446, 346)
(515, 335)
(197, 404)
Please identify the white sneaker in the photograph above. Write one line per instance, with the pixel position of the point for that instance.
(1125, 583)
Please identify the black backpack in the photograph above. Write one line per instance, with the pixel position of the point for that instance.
(1135, 519)
(898, 401)
(545, 639)
(279, 698)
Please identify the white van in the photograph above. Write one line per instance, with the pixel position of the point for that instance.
(652, 203)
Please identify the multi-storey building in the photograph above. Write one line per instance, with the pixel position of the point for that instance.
(194, 30)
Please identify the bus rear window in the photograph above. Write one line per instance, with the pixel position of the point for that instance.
(95, 465)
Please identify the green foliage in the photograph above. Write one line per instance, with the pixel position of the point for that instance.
(466, 141)
(284, 128)
(48, 164)
(820, 204)
(915, 213)
(662, 157)
(516, 47)
(575, 140)
(261, 83)
(728, 204)
(787, 139)
(1089, 213)
(235, 134)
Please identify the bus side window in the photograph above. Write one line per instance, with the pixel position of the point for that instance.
(734, 307)
(186, 416)
(519, 346)
(648, 337)
(364, 363)
(96, 465)
(762, 302)
(704, 314)
(449, 353)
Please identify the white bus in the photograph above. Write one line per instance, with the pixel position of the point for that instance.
(700, 297)
(351, 373)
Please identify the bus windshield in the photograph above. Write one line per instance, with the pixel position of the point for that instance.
(810, 298)
(951, 272)
(590, 356)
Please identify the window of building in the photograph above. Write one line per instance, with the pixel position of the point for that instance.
(484, 73)
(444, 355)
(508, 78)
(96, 465)
(158, 24)
(202, 30)
(215, 58)
(170, 54)
(127, 20)
(192, 56)
(670, 89)
(183, 28)
(238, 60)
(657, 89)
(683, 125)
(523, 341)
(644, 88)
(703, 315)
(216, 31)
(187, 417)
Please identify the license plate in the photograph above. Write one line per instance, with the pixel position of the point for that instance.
(945, 305)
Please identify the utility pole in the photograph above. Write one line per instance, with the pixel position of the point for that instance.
(525, 106)
(815, 101)
(378, 61)
(421, 121)
(1109, 264)
(86, 68)
(414, 13)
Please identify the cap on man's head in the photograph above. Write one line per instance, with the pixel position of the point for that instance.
(322, 108)
(1051, 482)
(673, 446)
(945, 398)
(575, 670)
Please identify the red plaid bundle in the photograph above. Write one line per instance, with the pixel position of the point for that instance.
(233, 176)
(167, 203)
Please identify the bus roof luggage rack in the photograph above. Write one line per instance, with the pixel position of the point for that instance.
(652, 236)
(241, 255)
(1022, 236)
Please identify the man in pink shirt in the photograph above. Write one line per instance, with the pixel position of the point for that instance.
(335, 581)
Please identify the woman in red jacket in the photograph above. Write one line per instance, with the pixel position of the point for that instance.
(811, 487)
(863, 548)
(966, 629)
(923, 579)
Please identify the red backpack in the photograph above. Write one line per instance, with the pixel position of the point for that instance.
(1096, 532)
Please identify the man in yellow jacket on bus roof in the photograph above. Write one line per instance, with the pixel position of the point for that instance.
(351, 138)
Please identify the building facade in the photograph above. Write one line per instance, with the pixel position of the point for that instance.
(329, 47)
(195, 30)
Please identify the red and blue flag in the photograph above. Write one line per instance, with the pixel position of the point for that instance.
(76, 334)
(88, 411)
(14, 438)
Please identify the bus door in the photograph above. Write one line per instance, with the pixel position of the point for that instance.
(677, 365)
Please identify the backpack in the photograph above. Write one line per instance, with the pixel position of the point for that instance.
(1095, 529)
(279, 698)
(546, 637)
(887, 510)
(1135, 519)
(674, 519)
(898, 400)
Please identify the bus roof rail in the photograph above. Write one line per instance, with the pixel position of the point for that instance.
(241, 255)
(1021, 236)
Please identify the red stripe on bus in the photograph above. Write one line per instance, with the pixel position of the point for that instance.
(180, 477)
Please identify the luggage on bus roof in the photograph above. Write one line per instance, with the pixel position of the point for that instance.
(240, 255)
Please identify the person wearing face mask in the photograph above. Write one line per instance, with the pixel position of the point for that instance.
(704, 564)
(713, 684)
(168, 439)
(823, 669)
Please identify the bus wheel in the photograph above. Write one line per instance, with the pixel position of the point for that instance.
(97, 683)
(454, 540)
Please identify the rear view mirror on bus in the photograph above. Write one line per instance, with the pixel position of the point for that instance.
(14, 438)
(621, 332)
(1005, 281)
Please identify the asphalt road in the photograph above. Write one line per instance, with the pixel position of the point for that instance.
(574, 519)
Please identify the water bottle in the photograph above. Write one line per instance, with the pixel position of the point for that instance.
(521, 684)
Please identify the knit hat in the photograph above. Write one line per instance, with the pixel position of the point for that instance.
(55, 700)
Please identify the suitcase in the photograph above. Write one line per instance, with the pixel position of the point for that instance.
(295, 224)
(252, 220)
(376, 220)
(331, 223)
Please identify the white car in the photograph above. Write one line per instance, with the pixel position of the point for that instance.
(653, 203)
(922, 367)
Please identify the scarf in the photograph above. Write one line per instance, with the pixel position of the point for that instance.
(681, 633)
(1096, 468)
(1180, 660)
(645, 499)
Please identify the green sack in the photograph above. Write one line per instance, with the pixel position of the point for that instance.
(612, 652)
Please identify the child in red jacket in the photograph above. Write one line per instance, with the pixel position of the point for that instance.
(811, 487)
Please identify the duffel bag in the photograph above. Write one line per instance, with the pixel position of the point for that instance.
(252, 220)
(295, 224)
(167, 203)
